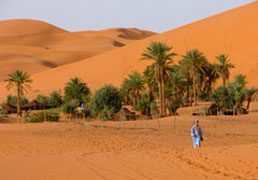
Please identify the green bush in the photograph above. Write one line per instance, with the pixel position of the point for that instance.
(106, 113)
(13, 100)
(144, 105)
(3, 112)
(76, 89)
(69, 107)
(55, 99)
(42, 99)
(154, 109)
(106, 102)
(38, 117)
(173, 105)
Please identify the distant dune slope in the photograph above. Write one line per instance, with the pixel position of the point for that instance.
(36, 46)
(234, 32)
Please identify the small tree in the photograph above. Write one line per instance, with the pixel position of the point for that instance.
(106, 101)
(175, 89)
(223, 97)
(69, 107)
(55, 99)
(21, 81)
(250, 92)
(233, 95)
(76, 89)
(44, 100)
(224, 67)
(133, 85)
(12, 100)
(144, 104)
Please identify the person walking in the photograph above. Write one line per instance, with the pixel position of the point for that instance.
(196, 133)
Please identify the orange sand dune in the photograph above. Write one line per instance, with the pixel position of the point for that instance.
(234, 32)
(130, 150)
(36, 46)
(23, 27)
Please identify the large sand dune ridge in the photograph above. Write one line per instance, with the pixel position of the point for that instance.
(234, 33)
(35, 46)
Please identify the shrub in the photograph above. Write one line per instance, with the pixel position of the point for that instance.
(144, 105)
(55, 99)
(76, 89)
(42, 99)
(3, 112)
(37, 117)
(69, 107)
(106, 113)
(230, 99)
(154, 109)
(106, 102)
(173, 105)
(13, 100)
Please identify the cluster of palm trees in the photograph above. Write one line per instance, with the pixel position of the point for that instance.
(164, 85)
(231, 97)
(172, 85)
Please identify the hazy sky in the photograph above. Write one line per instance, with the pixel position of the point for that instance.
(156, 15)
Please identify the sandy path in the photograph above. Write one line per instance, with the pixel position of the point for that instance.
(91, 166)
(72, 151)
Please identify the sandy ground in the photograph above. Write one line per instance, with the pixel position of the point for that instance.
(130, 150)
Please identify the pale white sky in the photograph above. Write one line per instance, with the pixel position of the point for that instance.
(155, 15)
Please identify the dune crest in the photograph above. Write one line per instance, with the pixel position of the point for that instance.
(35, 46)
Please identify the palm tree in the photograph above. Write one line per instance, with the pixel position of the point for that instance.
(224, 67)
(238, 87)
(55, 99)
(250, 92)
(175, 89)
(214, 74)
(240, 81)
(185, 73)
(162, 57)
(76, 89)
(21, 81)
(134, 85)
(195, 62)
(150, 81)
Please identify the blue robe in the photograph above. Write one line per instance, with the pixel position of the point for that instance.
(196, 136)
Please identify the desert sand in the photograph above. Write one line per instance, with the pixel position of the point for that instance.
(130, 150)
(233, 33)
(35, 46)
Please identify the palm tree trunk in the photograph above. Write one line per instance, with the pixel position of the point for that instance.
(19, 101)
(163, 91)
(248, 104)
(187, 94)
(157, 72)
(159, 87)
(149, 100)
(224, 82)
(194, 89)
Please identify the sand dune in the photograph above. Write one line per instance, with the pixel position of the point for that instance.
(36, 46)
(130, 150)
(233, 33)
